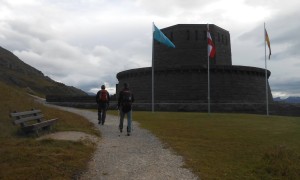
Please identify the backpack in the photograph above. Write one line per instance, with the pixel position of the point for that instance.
(127, 97)
(103, 96)
(126, 101)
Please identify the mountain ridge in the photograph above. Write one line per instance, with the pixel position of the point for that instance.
(15, 72)
(291, 99)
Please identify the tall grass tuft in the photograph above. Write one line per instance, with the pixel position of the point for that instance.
(279, 162)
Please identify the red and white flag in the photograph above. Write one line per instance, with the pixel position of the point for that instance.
(211, 47)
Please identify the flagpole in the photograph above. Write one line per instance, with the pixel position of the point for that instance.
(208, 79)
(160, 37)
(153, 68)
(266, 73)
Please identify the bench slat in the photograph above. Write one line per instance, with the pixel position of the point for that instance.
(29, 118)
(24, 113)
(45, 123)
(34, 127)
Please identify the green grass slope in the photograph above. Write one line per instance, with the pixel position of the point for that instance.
(23, 157)
(230, 146)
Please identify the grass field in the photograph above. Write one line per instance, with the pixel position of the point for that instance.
(230, 146)
(216, 146)
(23, 157)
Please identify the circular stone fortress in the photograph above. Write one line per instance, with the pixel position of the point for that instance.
(181, 79)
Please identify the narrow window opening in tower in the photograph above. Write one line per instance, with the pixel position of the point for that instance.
(196, 35)
(205, 35)
(222, 38)
(187, 35)
(226, 40)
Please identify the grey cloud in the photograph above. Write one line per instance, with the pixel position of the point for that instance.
(77, 67)
(281, 25)
(284, 35)
(90, 83)
(274, 4)
(85, 43)
(170, 7)
(290, 87)
(42, 32)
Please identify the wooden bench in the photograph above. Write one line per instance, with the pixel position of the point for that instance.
(32, 121)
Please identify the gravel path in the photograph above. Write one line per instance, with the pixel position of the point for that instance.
(139, 156)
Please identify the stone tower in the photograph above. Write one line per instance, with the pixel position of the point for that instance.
(181, 73)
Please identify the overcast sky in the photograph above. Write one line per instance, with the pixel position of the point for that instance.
(85, 43)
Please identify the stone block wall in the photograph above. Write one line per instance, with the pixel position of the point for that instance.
(229, 84)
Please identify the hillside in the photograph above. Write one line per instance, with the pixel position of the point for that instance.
(15, 72)
(23, 157)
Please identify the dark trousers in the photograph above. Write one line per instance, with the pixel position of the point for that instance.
(122, 116)
(102, 108)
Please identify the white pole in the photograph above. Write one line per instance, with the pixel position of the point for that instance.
(153, 70)
(266, 73)
(208, 79)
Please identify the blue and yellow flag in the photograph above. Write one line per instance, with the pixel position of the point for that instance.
(160, 37)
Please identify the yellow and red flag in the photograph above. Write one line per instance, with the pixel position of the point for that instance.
(268, 42)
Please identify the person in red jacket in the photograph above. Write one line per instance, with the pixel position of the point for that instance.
(102, 99)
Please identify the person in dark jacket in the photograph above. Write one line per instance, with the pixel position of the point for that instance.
(102, 99)
(125, 101)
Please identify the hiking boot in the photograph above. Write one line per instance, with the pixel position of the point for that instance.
(99, 122)
(121, 130)
(128, 134)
